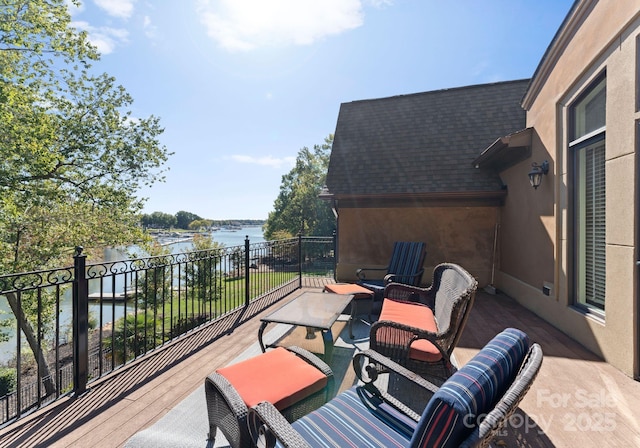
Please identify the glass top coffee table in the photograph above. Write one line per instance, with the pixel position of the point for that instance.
(314, 310)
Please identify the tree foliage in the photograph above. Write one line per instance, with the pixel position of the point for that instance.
(298, 208)
(72, 156)
(185, 218)
(158, 220)
(200, 224)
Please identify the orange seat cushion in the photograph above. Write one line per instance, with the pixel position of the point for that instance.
(277, 376)
(359, 292)
(414, 315)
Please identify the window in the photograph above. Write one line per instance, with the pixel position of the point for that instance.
(587, 150)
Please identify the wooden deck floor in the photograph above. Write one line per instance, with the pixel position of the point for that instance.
(577, 400)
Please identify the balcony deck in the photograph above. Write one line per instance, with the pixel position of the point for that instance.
(577, 399)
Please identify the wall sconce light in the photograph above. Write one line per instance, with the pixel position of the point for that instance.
(535, 175)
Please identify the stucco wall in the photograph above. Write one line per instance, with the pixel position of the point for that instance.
(462, 235)
(527, 222)
(606, 40)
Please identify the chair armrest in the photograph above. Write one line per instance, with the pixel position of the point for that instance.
(368, 374)
(401, 291)
(408, 334)
(368, 371)
(416, 276)
(405, 335)
(361, 273)
(267, 425)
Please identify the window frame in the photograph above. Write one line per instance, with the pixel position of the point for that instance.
(590, 139)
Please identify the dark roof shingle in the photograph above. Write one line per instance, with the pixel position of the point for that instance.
(424, 142)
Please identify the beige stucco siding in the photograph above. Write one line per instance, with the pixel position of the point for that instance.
(462, 235)
(606, 40)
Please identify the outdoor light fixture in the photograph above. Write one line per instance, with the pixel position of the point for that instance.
(535, 175)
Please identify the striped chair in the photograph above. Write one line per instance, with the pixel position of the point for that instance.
(467, 410)
(405, 267)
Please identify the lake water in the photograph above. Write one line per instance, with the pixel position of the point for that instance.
(108, 311)
(228, 238)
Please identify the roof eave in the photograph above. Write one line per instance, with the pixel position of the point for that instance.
(506, 151)
(576, 15)
(429, 199)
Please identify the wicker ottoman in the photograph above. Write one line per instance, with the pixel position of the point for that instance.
(360, 296)
(294, 380)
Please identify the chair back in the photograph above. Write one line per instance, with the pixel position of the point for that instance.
(491, 384)
(407, 259)
(455, 291)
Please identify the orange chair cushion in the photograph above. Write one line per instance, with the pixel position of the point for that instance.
(359, 292)
(277, 376)
(414, 315)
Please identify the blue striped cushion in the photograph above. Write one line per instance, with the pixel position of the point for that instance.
(405, 261)
(452, 412)
(354, 418)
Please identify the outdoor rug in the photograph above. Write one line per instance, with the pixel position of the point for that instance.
(186, 425)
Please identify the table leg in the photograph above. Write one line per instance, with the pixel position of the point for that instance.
(327, 339)
(311, 333)
(263, 325)
(354, 313)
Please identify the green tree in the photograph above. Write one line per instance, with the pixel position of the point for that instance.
(203, 277)
(298, 208)
(200, 224)
(72, 156)
(158, 220)
(183, 219)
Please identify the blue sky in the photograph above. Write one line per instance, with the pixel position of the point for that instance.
(241, 85)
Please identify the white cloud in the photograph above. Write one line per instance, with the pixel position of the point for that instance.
(104, 38)
(150, 30)
(74, 9)
(265, 161)
(117, 8)
(243, 25)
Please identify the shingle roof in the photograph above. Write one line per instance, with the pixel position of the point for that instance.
(423, 142)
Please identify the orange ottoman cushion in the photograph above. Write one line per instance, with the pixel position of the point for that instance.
(277, 376)
(358, 291)
(414, 315)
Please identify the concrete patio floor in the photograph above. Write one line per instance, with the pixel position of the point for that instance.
(577, 399)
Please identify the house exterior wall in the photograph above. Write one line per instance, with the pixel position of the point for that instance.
(462, 235)
(535, 227)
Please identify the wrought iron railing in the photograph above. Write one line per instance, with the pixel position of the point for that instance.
(67, 327)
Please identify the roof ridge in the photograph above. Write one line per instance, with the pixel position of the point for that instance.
(444, 90)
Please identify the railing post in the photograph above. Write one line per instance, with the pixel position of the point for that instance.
(299, 260)
(247, 283)
(335, 256)
(80, 323)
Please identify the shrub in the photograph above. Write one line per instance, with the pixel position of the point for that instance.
(7, 380)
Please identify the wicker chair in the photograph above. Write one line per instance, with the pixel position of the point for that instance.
(491, 385)
(405, 267)
(420, 327)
